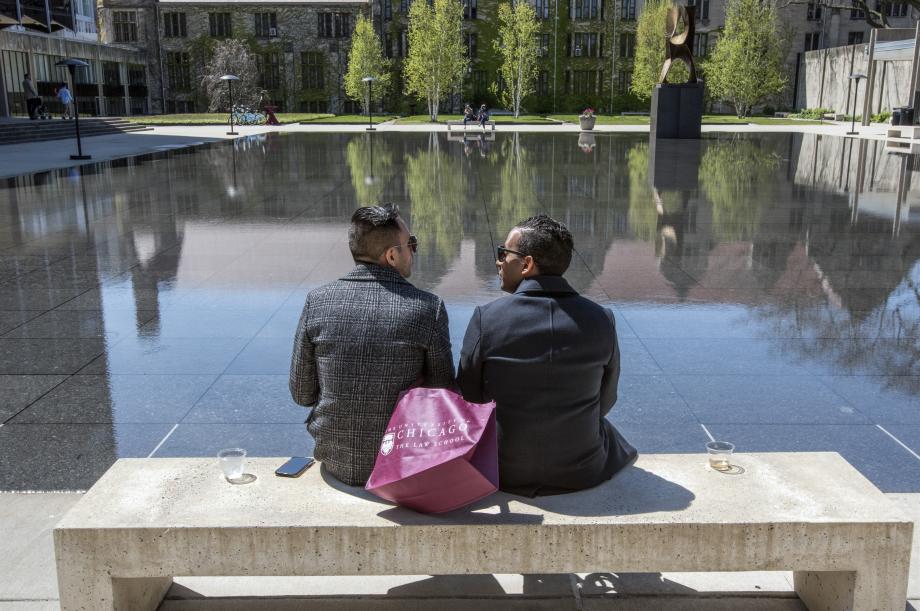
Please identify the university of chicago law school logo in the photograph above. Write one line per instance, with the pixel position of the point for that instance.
(387, 445)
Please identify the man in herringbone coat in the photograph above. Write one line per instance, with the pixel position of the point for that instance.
(362, 340)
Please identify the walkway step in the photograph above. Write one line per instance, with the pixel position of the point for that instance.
(38, 131)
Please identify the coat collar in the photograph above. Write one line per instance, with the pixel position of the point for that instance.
(545, 285)
(370, 272)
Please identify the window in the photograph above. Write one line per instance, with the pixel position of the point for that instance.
(541, 8)
(584, 82)
(478, 78)
(174, 25)
(854, 38)
(387, 10)
(812, 40)
(892, 9)
(814, 11)
(856, 13)
(178, 71)
(220, 24)
(542, 41)
(334, 25)
(585, 45)
(470, 42)
(628, 10)
(314, 106)
(542, 85)
(404, 7)
(269, 65)
(266, 25)
(701, 44)
(125, 26)
(179, 106)
(585, 9)
(311, 66)
(624, 80)
(627, 44)
(704, 9)
(469, 9)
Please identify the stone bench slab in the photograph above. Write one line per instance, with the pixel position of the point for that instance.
(148, 520)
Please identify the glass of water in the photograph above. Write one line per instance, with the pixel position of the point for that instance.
(232, 462)
(720, 455)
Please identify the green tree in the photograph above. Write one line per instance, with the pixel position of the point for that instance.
(366, 59)
(650, 51)
(436, 59)
(517, 47)
(746, 67)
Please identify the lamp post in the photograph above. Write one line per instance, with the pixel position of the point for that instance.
(370, 98)
(858, 76)
(230, 78)
(72, 65)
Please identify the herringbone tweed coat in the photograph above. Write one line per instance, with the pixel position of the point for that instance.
(361, 341)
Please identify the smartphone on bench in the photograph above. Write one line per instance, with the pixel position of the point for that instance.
(295, 466)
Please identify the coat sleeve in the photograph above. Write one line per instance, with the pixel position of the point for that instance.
(611, 371)
(439, 360)
(469, 376)
(304, 382)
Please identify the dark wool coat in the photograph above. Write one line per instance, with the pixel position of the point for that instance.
(361, 341)
(550, 360)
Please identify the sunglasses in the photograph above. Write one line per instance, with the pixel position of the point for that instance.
(501, 252)
(412, 244)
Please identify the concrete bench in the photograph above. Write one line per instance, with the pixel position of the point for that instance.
(146, 521)
(473, 123)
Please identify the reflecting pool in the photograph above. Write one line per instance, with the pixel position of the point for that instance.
(766, 287)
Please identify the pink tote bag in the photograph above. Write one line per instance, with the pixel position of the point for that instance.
(439, 452)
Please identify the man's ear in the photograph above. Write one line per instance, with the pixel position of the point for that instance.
(530, 267)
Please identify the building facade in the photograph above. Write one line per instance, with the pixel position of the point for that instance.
(36, 34)
(301, 47)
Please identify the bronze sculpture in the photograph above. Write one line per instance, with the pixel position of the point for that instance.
(679, 46)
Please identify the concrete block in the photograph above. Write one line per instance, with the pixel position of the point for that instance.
(148, 520)
(677, 111)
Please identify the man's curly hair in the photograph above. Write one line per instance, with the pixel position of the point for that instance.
(548, 241)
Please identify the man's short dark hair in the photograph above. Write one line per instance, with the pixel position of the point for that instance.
(373, 230)
(548, 241)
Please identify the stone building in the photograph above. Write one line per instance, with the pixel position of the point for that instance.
(301, 46)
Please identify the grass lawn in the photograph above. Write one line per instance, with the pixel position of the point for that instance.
(499, 119)
(346, 119)
(606, 119)
(214, 118)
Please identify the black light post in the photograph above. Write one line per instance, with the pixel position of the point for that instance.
(370, 100)
(230, 78)
(857, 76)
(72, 65)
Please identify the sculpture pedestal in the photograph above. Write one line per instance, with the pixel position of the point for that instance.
(677, 110)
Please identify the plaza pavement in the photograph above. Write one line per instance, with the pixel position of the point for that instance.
(26, 519)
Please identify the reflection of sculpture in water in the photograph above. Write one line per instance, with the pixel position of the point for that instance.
(679, 45)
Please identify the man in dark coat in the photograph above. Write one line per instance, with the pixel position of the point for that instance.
(364, 339)
(549, 358)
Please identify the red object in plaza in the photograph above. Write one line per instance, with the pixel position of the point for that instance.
(272, 119)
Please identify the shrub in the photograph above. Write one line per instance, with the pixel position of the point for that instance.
(811, 113)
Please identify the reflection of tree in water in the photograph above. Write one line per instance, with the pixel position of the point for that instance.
(736, 176)
(642, 215)
(370, 167)
(516, 199)
(437, 191)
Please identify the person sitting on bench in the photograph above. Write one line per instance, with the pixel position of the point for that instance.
(468, 115)
(483, 116)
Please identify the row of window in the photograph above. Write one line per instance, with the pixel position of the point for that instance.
(179, 70)
(220, 25)
(815, 10)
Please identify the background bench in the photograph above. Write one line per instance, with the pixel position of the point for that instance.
(473, 123)
(148, 520)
